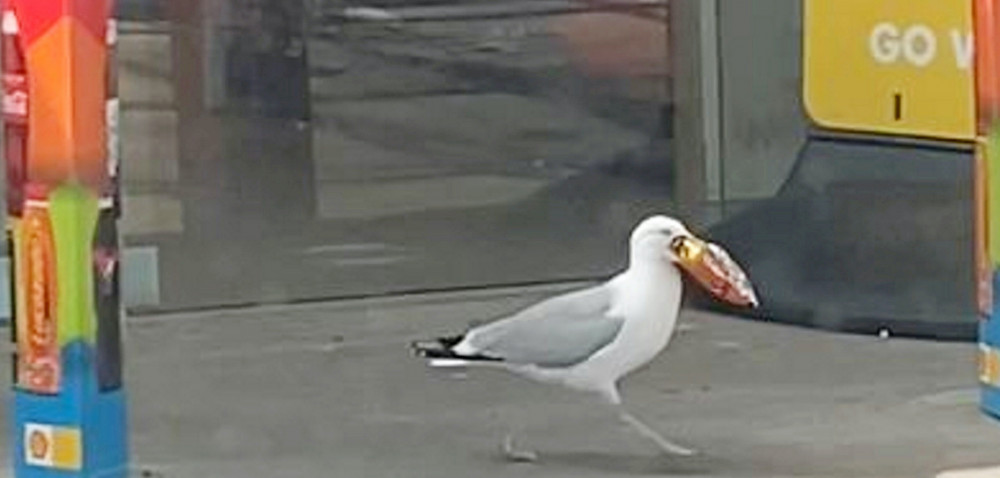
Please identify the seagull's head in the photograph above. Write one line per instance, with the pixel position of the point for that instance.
(652, 239)
(661, 240)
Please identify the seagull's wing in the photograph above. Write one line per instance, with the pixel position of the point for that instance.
(558, 332)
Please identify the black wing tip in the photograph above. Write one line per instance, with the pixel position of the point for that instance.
(441, 348)
(436, 348)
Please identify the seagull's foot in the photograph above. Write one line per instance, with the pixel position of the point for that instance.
(670, 448)
(666, 446)
(511, 453)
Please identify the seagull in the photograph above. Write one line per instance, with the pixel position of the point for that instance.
(589, 339)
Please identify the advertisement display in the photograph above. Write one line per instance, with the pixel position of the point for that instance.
(987, 118)
(39, 367)
(62, 162)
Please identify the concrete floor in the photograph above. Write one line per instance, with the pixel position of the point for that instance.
(331, 390)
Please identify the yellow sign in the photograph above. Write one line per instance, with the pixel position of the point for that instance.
(890, 66)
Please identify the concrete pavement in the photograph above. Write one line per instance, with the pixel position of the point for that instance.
(331, 390)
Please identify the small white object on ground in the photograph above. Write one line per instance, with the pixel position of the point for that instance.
(370, 14)
(971, 473)
(728, 345)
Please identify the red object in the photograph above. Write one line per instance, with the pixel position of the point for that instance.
(15, 110)
(42, 15)
(710, 265)
(112, 115)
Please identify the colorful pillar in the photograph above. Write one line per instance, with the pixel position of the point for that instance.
(987, 65)
(69, 416)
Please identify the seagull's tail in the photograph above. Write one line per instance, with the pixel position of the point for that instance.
(440, 353)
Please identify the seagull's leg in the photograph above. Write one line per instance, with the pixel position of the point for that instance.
(667, 446)
(610, 394)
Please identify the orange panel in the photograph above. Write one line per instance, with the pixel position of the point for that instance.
(67, 117)
(987, 19)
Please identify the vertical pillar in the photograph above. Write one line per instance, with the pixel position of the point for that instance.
(245, 146)
(987, 183)
(242, 95)
(695, 66)
(69, 416)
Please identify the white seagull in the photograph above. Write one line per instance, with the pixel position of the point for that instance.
(589, 339)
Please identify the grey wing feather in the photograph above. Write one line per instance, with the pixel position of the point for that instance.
(558, 332)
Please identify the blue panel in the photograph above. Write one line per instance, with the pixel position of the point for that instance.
(101, 417)
(989, 330)
(991, 401)
(989, 333)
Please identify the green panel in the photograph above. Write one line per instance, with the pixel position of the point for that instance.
(993, 193)
(73, 211)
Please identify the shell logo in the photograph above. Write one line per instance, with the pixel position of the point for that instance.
(989, 365)
(38, 445)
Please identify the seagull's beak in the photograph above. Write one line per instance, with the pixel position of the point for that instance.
(710, 265)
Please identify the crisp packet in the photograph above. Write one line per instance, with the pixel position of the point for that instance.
(712, 267)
